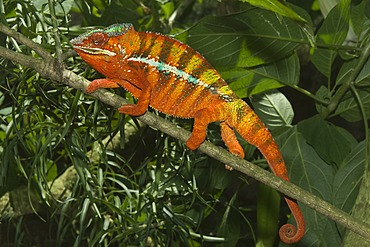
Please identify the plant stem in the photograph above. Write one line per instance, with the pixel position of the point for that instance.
(347, 84)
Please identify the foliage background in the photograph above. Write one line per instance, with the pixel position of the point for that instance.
(74, 172)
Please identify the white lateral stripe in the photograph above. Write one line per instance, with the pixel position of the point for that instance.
(95, 51)
(168, 68)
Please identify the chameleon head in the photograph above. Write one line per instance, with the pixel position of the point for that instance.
(105, 48)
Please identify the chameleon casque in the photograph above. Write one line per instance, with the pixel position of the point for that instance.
(171, 77)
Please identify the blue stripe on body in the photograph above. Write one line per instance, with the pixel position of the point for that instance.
(166, 69)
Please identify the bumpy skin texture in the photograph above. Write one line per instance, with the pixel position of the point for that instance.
(174, 79)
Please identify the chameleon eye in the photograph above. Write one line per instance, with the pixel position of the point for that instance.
(98, 39)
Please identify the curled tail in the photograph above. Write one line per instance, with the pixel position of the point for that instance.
(251, 128)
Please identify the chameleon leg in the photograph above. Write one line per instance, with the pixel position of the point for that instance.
(131, 109)
(229, 137)
(101, 83)
(142, 103)
(112, 83)
(232, 143)
(201, 120)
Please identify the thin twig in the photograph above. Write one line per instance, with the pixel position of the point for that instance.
(347, 84)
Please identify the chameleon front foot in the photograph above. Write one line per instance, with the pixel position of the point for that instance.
(101, 83)
(131, 109)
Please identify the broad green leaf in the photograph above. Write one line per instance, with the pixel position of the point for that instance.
(348, 178)
(323, 59)
(332, 32)
(277, 7)
(362, 78)
(307, 170)
(348, 108)
(364, 75)
(247, 82)
(305, 167)
(360, 17)
(326, 5)
(273, 108)
(251, 38)
(332, 143)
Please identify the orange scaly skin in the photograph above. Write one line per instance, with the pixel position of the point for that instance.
(174, 79)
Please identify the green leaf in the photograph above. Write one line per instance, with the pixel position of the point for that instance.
(168, 9)
(332, 32)
(247, 82)
(345, 71)
(250, 38)
(326, 5)
(273, 108)
(277, 7)
(364, 74)
(348, 179)
(83, 224)
(349, 109)
(332, 143)
(305, 167)
(362, 79)
(360, 17)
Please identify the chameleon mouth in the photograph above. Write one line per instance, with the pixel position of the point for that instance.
(95, 51)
